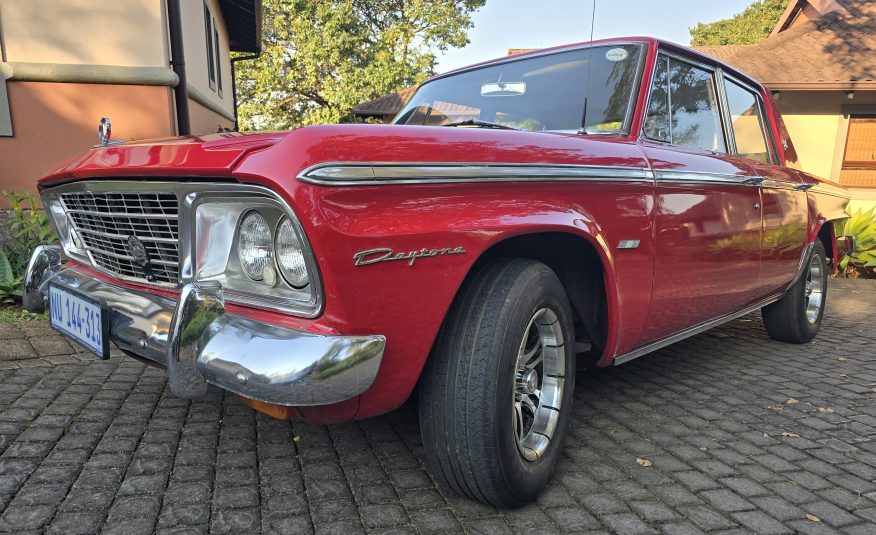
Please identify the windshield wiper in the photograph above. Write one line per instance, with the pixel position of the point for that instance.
(481, 124)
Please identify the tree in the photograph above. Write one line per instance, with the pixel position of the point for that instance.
(322, 57)
(752, 25)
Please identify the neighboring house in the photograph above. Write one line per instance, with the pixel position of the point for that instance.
(820, 63)
(67, 63)
(385, 108)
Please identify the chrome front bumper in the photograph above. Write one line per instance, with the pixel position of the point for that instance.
(200, 343)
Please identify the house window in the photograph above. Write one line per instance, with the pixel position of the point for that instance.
(859, 161)
(211, 65)
(683, 109)
(748, 123)
(218, 59)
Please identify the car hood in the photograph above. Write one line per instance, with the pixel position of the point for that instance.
(276, 159)
(397, 144)
(207, 157)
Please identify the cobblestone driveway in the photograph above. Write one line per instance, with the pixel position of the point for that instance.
(741, 434)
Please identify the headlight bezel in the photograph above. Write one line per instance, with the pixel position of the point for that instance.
(239, 287)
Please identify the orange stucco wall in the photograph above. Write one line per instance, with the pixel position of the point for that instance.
(54, 122)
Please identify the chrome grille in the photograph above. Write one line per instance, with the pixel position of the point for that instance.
(105, 221)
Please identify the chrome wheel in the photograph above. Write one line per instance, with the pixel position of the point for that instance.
(538, 384)
(814, 288)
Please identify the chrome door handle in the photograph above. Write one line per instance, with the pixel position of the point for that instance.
(753, 181)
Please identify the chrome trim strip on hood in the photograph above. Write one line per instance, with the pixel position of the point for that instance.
(382, 173)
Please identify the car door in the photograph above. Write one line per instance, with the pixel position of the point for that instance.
(707, 215)
(784, 204)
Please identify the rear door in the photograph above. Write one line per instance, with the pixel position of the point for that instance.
(708, 220)
(784, 206)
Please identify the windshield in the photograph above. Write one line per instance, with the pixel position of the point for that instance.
(542, 93)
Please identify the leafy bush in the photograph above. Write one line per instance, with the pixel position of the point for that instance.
(862, 226)
(28, 226)
(10, 284)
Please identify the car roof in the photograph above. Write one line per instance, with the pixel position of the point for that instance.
(660, 43)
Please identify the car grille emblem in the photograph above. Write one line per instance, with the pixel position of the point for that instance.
(141, 257)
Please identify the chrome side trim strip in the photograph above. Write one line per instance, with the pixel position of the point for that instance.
(699, 177)
(381, 173)
(696, 329)
(828, 189)
(781, 184)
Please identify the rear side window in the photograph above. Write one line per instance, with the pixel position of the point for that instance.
(748, 123)
(683, 107)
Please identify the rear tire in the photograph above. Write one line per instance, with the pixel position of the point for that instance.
(796, 317)
(496, 394)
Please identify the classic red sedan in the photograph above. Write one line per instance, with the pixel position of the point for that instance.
(524, 217)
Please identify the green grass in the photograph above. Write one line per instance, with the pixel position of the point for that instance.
(15, 314)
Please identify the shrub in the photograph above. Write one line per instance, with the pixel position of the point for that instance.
(862, 260)
(28, 226)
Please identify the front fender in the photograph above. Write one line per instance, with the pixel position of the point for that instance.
(428, 237)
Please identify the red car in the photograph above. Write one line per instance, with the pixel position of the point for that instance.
(524, 217)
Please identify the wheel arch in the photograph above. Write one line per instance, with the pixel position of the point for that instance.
(584, 266)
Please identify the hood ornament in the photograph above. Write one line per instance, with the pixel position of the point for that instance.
(104, 132)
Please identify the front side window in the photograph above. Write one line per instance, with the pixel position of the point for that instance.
(543, 93)
(683, 107)
(748, 124)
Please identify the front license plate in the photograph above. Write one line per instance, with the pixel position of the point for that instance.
(80, 318)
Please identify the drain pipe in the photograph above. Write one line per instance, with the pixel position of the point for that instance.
(234, 85)
(178, 63)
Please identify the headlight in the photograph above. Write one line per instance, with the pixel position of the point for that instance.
(254, 245)
(290, 255)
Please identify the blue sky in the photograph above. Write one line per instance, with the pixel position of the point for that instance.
(504, 24)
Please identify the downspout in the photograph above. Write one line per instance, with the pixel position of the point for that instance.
(178, 64)
(234, 85)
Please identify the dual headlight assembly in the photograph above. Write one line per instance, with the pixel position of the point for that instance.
(263, 253)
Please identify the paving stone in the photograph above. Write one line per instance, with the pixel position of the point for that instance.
(384, 515)
(760, 523)
(436, 521)
(103, 446)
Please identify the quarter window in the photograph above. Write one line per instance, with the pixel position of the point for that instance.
(683, 107)
(746, 117)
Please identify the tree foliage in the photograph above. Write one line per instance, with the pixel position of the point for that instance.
(321, 57)
(752, 25)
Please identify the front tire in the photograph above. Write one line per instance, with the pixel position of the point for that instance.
(796, 317)
(496, 394)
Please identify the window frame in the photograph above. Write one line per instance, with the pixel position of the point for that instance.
(853, 116)
(217, 59)
(765, 123)
(208, 30)
(716, 87)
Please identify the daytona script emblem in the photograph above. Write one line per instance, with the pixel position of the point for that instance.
(385, 254)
